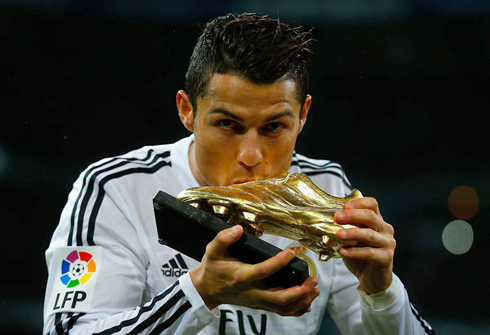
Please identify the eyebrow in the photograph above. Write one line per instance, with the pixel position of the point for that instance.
(227, 113)
(280, 115)
(240, 119)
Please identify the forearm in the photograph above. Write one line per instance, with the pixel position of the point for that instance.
(176, 310)
(397, 318)
(388, 312)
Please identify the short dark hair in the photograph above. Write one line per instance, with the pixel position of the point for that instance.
(252, 46)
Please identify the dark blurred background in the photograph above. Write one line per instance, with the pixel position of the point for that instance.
(400, 95)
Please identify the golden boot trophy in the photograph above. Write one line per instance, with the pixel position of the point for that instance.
(290, 205)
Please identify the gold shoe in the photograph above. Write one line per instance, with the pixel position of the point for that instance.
(290, 205)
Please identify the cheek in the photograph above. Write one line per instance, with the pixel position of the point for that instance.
(280, 155)
(214, 148)
(213, 154)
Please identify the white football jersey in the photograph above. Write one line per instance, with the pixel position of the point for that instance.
(108, 274)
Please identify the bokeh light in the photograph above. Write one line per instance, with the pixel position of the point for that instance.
(457, 237)
(463, 202)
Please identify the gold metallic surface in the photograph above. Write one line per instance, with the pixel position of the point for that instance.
(290, 205)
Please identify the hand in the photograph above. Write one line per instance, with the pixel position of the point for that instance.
(371, 260)
(223, 279)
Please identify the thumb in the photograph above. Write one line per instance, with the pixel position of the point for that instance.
(218, 247)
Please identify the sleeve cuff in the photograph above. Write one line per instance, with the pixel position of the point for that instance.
(382, 299)
(201, 311)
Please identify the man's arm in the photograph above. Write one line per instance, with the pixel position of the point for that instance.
(385, 306)
(122, 276)
(169, 312)
(371, 260)
(181, 308)
(109, 301)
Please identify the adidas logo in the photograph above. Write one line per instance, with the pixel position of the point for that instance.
(175, 267)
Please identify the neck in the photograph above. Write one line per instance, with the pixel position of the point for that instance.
(192, 163)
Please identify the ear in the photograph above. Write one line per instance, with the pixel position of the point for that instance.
(304, 112)
(186, 111)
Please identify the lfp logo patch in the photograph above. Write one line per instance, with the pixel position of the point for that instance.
(76, 269)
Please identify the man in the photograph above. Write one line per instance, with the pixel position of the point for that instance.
(245, 102)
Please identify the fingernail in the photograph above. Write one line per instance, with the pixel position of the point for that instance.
(340, 215)
(234, 230)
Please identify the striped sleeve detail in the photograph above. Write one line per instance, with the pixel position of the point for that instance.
(425, 325)
(312, 167)
(92, 192)
(154, 312)
(64, 323)
(156, 316)
(167, 323)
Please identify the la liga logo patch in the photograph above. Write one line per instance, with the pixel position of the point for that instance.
(77, 268)
(73, 287)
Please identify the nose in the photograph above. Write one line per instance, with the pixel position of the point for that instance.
(250, 152)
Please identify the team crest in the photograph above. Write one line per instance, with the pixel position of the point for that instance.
(300, 252)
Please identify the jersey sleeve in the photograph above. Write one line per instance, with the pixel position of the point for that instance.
(97, 275)
(353, 315)
(398, 318)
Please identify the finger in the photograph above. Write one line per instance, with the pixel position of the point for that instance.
(293, 301)
(360, 218)
(300, 306)
(289, 295)
(294, 309)
(383, 257)
(219, 245)
(366, 236)
(271, 265)
(364, 203)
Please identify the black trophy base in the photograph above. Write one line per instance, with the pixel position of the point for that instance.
(189, 230)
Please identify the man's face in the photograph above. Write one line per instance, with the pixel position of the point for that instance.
(243, 131)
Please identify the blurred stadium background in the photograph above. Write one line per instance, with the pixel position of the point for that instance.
(400, 93)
